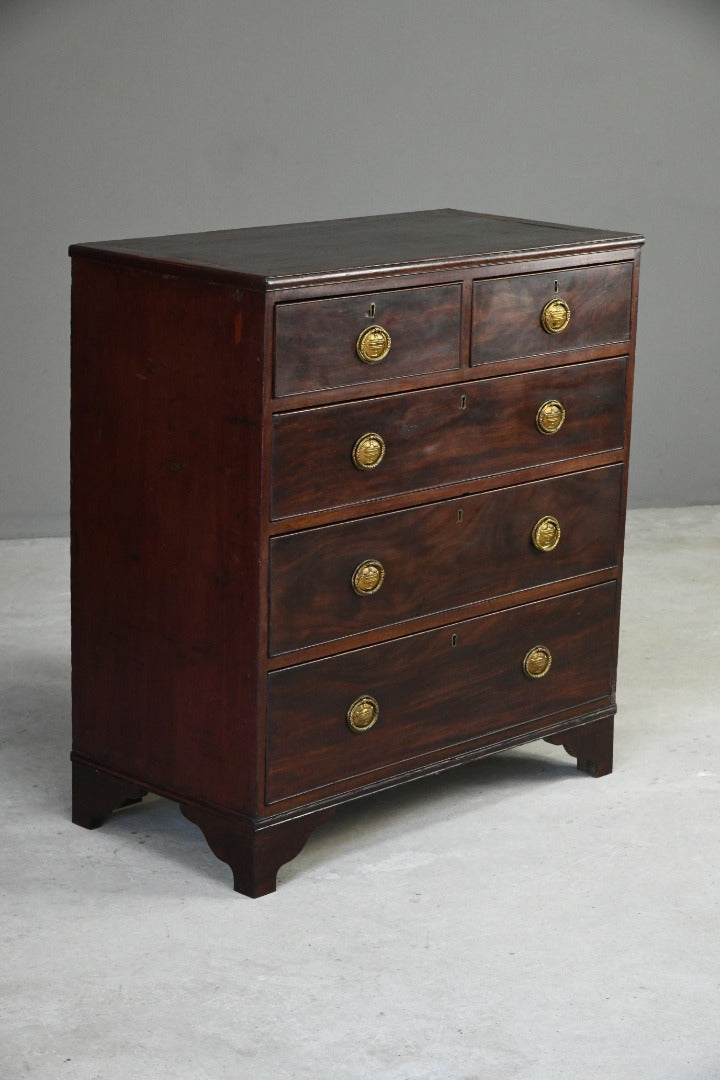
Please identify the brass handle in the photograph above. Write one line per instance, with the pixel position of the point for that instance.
(363, 714)
(368, 451)
(555, 316)
(550, 417)
(367, 577)
(546, 533)
(373, 344)
(537, 662)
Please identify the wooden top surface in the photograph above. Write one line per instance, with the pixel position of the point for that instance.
(316, 251)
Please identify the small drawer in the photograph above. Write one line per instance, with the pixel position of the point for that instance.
(337, 455)
(372, 337)
(436, 690)
(534, 314)
(340, 580)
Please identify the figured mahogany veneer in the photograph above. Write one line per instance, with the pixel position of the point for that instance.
(505, 311)
(436, 690)
(439, 557)
(315, 340)
(461, 432)
(223, 656)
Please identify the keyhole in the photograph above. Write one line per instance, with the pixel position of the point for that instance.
(371, 309)
(453, 640)
(556, 286)
(460, 517)
(463, 401)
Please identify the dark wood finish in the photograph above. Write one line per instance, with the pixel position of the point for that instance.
(591, 744)
(315, 339)
(441, 688)
(96, 794)
(179, 445)
(432, 436)
(460, 377)
(439, 557)
(254, 853)
(311, 252)
(403, 500)
(506, 311)
(473, 610)
(166, 421)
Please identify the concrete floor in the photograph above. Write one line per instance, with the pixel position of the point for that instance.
(513, 919)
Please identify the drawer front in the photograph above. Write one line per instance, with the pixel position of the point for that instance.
(434, 690)
(444, 436)
(318, 343)
(507, 312)
(339, 580)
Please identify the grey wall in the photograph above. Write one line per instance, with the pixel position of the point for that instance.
(129, 117)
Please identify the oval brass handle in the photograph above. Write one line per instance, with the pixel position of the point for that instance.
(537, 662)
(550, 417)
(373, 344)
(546, 533)
(363, 714)
(555, 316)
(367, 577)
(368, 451)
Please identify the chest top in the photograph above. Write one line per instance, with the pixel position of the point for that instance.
(317, 251)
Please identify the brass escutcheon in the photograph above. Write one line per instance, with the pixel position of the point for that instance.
(367, 577)
(368, 451)
(363, 714)
(550, 417)
(537, 662)
(555, 316)
(546, 533)
(373, 344)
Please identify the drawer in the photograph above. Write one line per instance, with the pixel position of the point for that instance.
(438, 557)
(443, 436)
(435, 690)
(507, 312)
(318, 343)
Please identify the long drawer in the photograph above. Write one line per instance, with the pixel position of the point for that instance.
(340, 580)
(438, 689)
(337, 455)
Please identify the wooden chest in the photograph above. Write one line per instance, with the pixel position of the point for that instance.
(347, 509)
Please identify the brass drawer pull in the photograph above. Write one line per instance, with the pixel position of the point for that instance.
(373, 344)
(546, 533)
(550, 417)
(368, 451)
(555, 316)
(367, 577)
(363, 714)
(537, 662)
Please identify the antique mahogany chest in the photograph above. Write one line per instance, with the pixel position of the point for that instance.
(347, 509)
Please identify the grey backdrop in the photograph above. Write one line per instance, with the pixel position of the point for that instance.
(129, 117)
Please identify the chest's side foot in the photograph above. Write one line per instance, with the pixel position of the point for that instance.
(591, 744)
(95, 794)
(253, 852)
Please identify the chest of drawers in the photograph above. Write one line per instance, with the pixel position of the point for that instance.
(347, 509)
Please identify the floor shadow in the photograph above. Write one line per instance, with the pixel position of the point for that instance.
(458, 791)
(36, 740)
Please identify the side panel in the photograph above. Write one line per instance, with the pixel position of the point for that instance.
(166, 536)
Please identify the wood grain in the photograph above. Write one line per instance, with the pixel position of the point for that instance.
(165, 449)
(445, 435)
(438, 689)
(506, 311)
(315, 339)
(439, 557)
